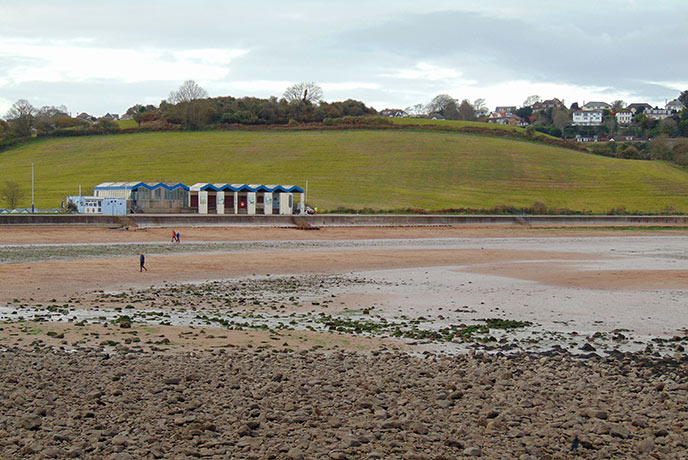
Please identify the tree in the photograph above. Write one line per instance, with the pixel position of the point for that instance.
(303, 93)
(617, 105)
(21, 117)
(440, 102)
(466, 111)
(415, 110)
(193, 110)
(479, 105)
(683, 98)
(451, 111)
(561, 119)
(530, 100)
(188, 92)
(12, 195)
(524, 112)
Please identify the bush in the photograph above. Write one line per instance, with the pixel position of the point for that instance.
(538, 207)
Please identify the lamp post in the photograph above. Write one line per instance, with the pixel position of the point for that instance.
(33, 208)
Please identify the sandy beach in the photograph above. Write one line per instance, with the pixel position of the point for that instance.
(588, 302)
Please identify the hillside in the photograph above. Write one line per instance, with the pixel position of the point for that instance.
(380, 169)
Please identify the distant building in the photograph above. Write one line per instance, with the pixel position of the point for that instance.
(394, 113)
(98, 205)
(482, 113)
(110, 116)
(506, 108)
(86, 117)
(622, 138)
(674, 106)
(587, 138)
(638, 107)
(596, 105)
(506, 118)
(434, 116)
(657, 113)
(548, 104)
(624, 117)
(587, 117)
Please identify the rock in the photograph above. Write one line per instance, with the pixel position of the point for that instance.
(172, 381)
(453, 442)
(418, 428)
(661, 431)
(598, 413)
(619, 431)
(32, 422)
(120, 440)
(588, 347)
(295, 454)
(472, 452)
(646, 446)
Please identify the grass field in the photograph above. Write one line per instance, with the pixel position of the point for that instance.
(124, 124)
(452, 124)
(355, 169)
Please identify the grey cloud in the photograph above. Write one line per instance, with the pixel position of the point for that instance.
(583, 54)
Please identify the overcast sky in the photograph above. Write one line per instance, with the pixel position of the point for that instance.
(100, 57)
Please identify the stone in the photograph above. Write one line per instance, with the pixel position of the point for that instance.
(619, 431)
(472, 452)
(646, 446)
(32, 422)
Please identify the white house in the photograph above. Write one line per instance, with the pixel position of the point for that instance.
(394, 113)
(657, 113)
(624, 117)
(587, 117)
(674, 106)
(596, 106)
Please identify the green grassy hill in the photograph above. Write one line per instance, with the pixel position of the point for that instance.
(380, 169)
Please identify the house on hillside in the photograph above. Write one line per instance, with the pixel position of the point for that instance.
(596, 105)
(394, 113)
(638, 107)
(657, 114)
(506, 118)
(86, 117)
(587, 118)
(479, 113)
(674, 106)
(587, 138)
(506, 108)
(622, 138)
(624, 117)
(110, 116)
(548, 104)
(434, 116)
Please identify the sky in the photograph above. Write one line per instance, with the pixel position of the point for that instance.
(99, 57)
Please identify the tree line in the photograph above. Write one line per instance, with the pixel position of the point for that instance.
(187, 108)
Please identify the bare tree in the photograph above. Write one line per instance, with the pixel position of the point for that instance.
(618, 104)
(12, 195)
(479, 105)
(441, 102)
(530, 100)
(21, 116)
(303, 93)
(188, 92)
(415, 110)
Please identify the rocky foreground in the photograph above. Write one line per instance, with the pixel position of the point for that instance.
(284, 405)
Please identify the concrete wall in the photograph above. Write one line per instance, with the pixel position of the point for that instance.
(324, 220)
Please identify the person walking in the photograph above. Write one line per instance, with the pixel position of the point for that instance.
(179, 235)
(142, 261)
(174, 236)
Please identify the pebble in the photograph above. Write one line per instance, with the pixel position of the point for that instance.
(338, 405)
